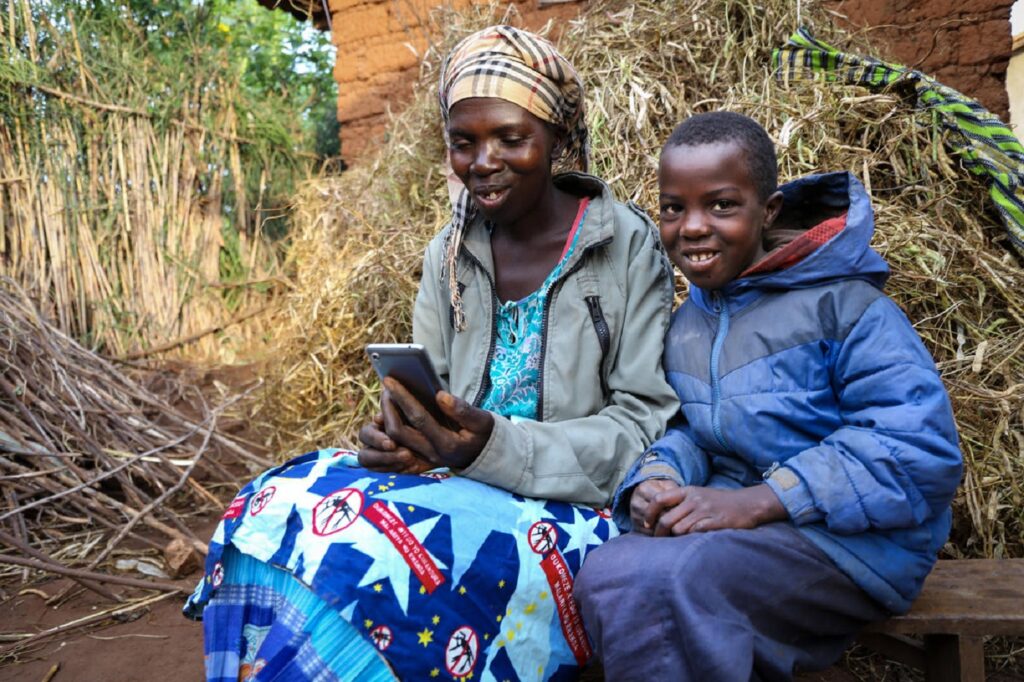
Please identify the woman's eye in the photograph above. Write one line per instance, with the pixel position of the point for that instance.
(458, 145)
(513, 141)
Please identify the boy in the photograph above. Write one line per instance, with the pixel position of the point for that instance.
(804, 488)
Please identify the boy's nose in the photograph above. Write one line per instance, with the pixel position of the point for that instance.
(694, 225)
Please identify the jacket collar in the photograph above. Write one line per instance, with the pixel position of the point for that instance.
(846, 255)
(597, 228)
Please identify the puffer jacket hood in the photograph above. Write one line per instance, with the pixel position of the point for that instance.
(847, 255)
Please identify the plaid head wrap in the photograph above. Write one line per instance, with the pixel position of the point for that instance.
(510, 64)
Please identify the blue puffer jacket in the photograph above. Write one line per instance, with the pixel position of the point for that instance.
(811, 379)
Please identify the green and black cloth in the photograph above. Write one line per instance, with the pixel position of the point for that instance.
(986, 145)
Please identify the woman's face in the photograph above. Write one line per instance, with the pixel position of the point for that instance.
(502, 154)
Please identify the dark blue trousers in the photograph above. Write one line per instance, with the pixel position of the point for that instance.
(722, 606)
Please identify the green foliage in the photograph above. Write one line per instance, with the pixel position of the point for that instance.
(149, 131)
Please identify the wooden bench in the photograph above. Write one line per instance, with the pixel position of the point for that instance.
(963, 601)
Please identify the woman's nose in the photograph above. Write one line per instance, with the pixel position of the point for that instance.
(485, 160)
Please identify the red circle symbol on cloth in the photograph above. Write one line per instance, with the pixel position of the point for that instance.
(461, 651)
(337, 511)
(261, 499)
(217, 576)
(542, 536)
(381, 636)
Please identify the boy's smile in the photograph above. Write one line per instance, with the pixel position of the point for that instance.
(712, 217)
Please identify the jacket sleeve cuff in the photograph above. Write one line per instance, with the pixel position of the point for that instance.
(496, 464)
(651, 465)
(794, 495)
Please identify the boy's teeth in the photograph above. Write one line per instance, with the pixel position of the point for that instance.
(701, 257)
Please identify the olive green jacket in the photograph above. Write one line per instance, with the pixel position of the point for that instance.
(603, 397)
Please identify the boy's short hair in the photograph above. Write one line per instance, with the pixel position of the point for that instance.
(727, 126)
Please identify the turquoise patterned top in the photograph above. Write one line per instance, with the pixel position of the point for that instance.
(515, 365)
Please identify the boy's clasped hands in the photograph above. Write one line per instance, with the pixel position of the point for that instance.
(662, 507)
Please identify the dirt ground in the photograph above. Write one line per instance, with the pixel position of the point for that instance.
(153, 644)
(160, 645)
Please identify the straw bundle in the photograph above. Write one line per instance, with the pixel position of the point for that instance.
(360, 239)
(132, 188)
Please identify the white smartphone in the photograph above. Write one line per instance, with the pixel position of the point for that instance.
(409, 364)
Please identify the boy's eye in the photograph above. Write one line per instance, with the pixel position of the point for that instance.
(513, 140)
(723, 204)
(670, 210)
(458, 145)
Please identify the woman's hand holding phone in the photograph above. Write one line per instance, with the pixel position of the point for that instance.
(431, 441)
(380, 453)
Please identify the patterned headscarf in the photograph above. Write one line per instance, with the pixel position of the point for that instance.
(510, 64)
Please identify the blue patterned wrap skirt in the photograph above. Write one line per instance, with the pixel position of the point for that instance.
(322, 570)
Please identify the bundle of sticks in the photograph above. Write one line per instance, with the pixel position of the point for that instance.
(90, 457)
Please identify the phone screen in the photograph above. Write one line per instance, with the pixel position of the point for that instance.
(410, 365)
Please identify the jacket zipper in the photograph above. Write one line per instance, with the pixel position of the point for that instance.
(544, 321)
(603, 335)
(721, 307)
(485, 380)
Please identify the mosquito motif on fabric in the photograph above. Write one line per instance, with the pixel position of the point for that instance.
(460, 655)
(337, 511)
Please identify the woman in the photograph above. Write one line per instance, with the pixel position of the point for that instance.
(543, 306)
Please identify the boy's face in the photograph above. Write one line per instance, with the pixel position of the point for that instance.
(711, 215)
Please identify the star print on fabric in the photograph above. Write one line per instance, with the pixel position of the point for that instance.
(581, 533)
(435, 672)
(501, 584)
(469, 531)
(377, 587)
(462, 589)
(388, 563)
(368, 623)
(425, 636)
(530, 608)
(435, 620)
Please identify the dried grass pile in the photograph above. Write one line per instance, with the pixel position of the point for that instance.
(648, 64)
(89, 455)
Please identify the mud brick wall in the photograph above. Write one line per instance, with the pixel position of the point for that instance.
(966, 44)
(380, 43)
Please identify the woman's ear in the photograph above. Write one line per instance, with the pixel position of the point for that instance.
(561, 139)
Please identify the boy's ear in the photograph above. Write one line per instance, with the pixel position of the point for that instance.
(772, 208)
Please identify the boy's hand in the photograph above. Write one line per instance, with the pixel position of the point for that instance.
(383, 454)
(643, 495)
(693, 509)
(428, 439)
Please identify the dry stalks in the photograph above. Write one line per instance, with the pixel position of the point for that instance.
(88, 455)
(126, 210)
(359, 239)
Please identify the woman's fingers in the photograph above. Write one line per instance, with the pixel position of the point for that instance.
(471, 418)
(402, 433)
(399, 460)
(373, 436)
